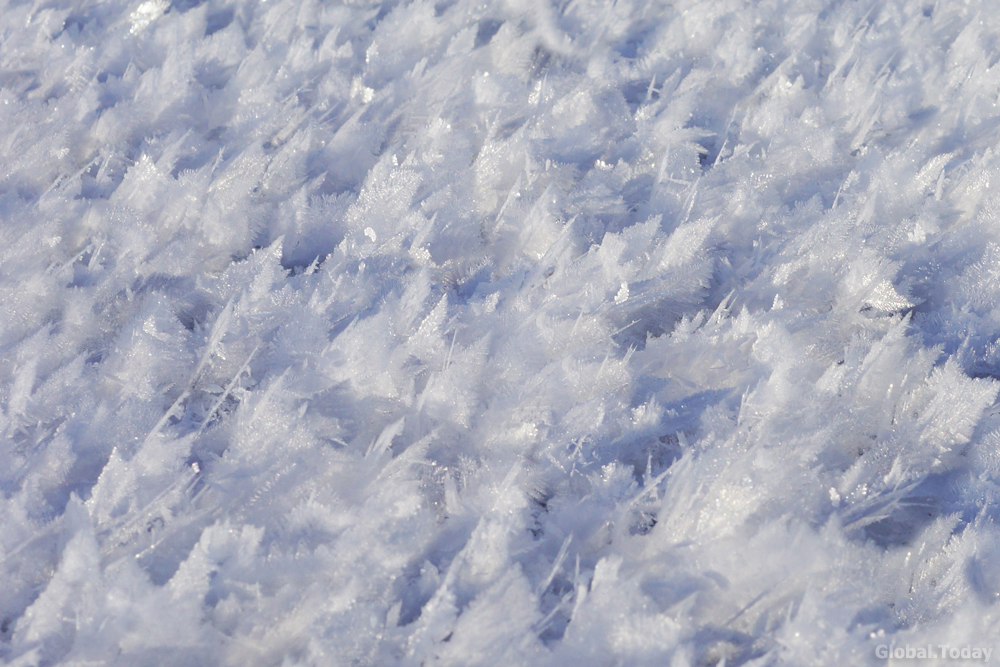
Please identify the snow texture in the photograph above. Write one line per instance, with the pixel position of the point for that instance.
(498, 332)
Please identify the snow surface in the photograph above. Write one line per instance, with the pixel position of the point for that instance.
(498, 332)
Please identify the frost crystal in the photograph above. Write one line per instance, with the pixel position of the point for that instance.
(465, 332)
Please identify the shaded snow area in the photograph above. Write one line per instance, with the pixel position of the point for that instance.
(498, 332)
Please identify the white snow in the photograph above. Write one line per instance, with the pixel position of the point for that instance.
(498, 332)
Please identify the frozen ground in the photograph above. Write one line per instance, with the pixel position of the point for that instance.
(506, 332)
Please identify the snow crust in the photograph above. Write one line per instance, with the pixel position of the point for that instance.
(503, 332)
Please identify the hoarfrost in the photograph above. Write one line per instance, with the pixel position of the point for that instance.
(537, 333)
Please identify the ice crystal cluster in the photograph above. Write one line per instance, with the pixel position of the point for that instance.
(498, 332)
